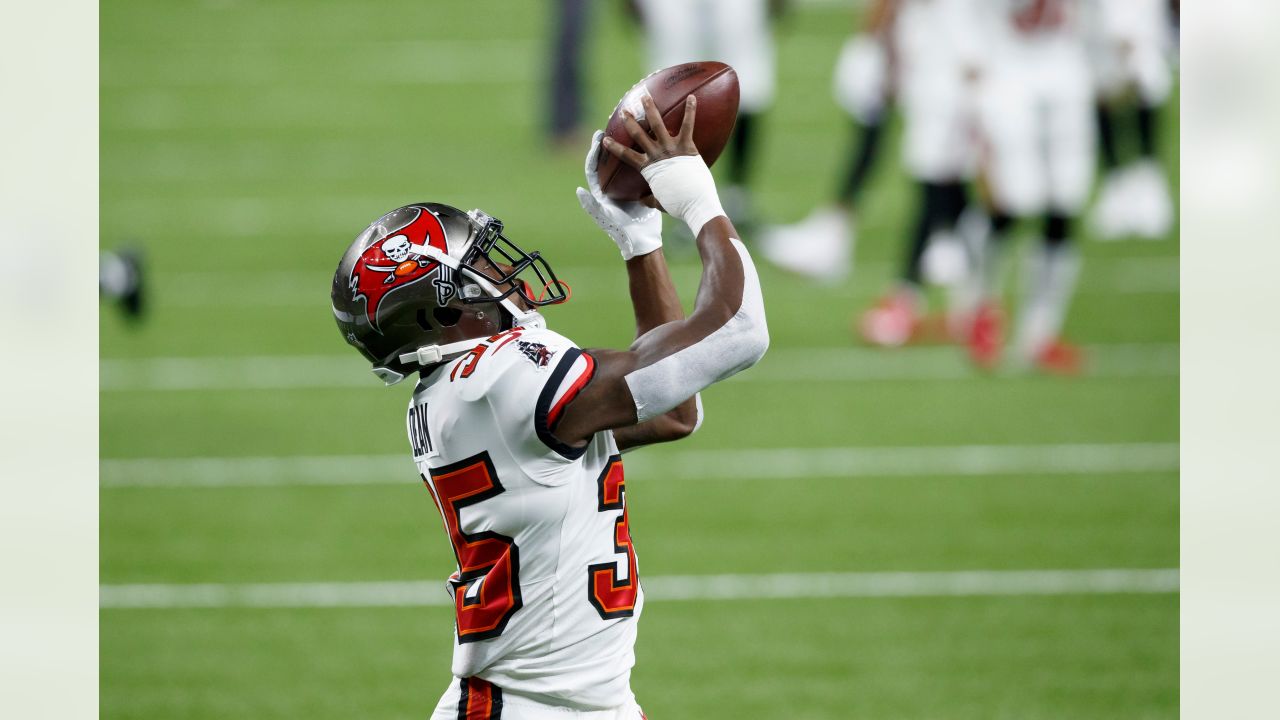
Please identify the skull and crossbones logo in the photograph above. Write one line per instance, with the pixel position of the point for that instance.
(396, 248)
(399, 250)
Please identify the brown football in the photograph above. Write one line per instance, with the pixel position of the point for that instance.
(716, 86)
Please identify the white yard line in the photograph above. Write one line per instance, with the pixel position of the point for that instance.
(827, 364)
(971, 583)
(745, 464)
(789, 364)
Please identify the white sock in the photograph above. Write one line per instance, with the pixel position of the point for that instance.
(1050, 284)
(982, 282)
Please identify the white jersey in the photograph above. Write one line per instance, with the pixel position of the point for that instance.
(936, 43)
(1132, 45)
(546, 593)
(1037, 105)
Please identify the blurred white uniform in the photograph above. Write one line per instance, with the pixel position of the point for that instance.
(735, 32)
(1037, 105)
(1132, 50)
(1132, 47)
(547, 594)
(934, 44)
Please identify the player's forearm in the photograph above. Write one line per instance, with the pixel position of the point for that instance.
(725, 334)
(729, 283)
(653, 383)
(721, 288)
(668, 427)
(654, 299)
(653, 294)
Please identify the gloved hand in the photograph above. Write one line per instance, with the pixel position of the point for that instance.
(634, 227)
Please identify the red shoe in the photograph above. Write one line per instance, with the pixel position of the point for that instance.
(893, 321)
(986, 336)
(1060, 358)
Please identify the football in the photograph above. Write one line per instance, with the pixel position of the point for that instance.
(716, 87)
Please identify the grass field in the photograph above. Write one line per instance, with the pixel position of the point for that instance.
(244, 145)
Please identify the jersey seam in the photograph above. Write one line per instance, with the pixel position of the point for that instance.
(555, 589)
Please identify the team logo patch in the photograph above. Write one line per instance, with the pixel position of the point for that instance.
(536, 353)
(400, 260)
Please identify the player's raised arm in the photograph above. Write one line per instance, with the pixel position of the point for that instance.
(636, 229)
(726, 332)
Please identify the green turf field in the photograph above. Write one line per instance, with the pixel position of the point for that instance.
(245, 144)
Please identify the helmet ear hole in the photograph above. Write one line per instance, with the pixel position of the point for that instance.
(422, 319)
(447, 316)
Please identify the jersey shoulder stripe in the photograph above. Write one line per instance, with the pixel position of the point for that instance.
(583, 369)
(572, 373)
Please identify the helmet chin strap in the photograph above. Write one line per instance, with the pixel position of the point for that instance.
(432, 354)
(428, 355)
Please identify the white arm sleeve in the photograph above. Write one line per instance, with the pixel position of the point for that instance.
(734, 347)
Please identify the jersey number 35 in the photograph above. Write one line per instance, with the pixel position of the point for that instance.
(486, 588)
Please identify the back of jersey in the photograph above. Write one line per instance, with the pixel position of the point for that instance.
(546, 592)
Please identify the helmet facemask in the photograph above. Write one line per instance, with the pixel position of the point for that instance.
(507, 268)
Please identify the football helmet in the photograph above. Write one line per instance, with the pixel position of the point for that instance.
(425, 281)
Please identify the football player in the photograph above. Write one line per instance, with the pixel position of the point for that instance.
(925, 51)
(518, 433)
(821, 245)
(1131, 56)
(566, 81)
(937, 59)
(1037, 119)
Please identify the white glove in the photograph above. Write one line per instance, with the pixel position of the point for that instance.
(634, 227)
(684, 187)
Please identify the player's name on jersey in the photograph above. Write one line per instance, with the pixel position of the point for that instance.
(420, 432)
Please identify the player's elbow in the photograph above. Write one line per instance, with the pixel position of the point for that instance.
(685, 419)
(751, 343)
(678, 427)
(746, 334)
(756, 343)
(668, 427)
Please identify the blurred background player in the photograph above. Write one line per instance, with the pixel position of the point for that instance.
(1038, 125)
(565, 99)
(821, 245)
(936, 59)
(736, 32)
(1131, 53)
(925, 51)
